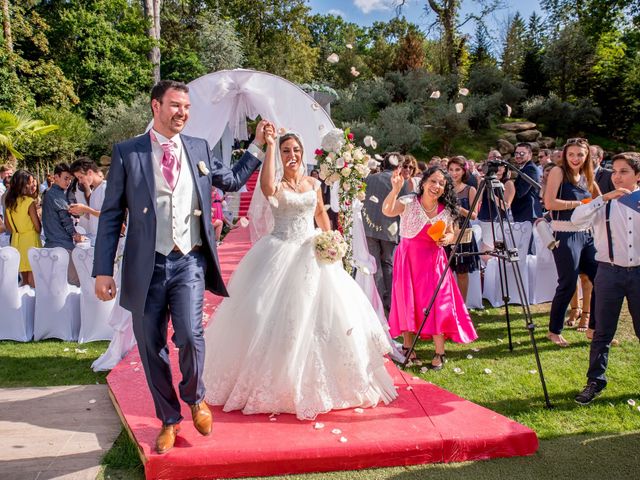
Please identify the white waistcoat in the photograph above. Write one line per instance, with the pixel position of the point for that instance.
(176, 224)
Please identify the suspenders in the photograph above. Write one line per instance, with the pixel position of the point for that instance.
(609, 241)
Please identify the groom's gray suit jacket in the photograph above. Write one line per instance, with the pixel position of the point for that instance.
(131, 187)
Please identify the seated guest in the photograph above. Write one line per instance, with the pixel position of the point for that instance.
(57, 222)
(618, 255)
(89, 175)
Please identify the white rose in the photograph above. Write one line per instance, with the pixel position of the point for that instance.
(347, 156)
(346, 171)
(358, 154)
(361, 196)
(324, 171)
(331, 156)
(362, 169)
(334, 177)
(333, 141)
(346, 186)
(340, 162)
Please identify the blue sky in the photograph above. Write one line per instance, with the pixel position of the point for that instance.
(365, 12)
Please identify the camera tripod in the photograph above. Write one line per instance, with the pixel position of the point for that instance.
(504, 254)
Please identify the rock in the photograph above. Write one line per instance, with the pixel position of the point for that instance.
(518, 126)
(528, 135)
(505, 147)
(509, 137)
(547, 142)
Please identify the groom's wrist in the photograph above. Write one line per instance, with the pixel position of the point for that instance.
(256, 151)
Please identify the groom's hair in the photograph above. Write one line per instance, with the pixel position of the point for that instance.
(160, 88)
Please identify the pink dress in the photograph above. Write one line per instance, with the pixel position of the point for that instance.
(417, 265)
(216, 205)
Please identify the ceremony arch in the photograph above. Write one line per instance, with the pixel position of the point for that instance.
(222, 101)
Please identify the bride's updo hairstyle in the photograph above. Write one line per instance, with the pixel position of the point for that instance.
(448, 197)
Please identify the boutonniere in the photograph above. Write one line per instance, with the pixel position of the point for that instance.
(197, 213)
(203, 168)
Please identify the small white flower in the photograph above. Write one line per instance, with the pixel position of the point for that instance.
(393, 228)
(273, 201)
(343, 440)
(435, 94)
(469, 357)
(333, 58)
(488, 371)
(93, 400)
(631, 402)
(203, 168)
(508, 110)
(346, 171)
(340, 162)
(197, 213)
(336, 431)
(318, 425)
(244, 223)
(464, 92)
(459, 107)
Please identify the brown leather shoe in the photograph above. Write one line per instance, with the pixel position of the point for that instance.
(167, 437)
(202, 418)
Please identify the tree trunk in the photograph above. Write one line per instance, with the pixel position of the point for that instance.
(446, 11)
(152, 13)
(6, 26)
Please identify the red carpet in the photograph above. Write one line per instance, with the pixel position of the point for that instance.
(426, 424)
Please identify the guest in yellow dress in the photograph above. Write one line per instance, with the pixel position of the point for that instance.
(22, 221)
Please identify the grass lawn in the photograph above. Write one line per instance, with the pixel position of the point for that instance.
(595, 442)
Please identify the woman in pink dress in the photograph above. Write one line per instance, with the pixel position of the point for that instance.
(217, 217)
(419, 261)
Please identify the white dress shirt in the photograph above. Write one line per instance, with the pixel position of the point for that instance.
(625, 231)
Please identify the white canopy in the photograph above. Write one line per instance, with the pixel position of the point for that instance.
(222, 101)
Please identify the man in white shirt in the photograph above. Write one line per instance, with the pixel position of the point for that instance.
(617, 230)
(89, 175)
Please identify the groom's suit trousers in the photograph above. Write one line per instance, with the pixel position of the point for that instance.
(176, 290)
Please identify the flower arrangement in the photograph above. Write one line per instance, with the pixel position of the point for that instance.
(341, 161)
(330, 246)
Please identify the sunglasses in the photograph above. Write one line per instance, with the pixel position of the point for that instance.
(407, 167)
(520, 154)
(577, 141)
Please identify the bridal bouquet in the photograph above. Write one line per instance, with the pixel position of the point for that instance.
(330, 246)
(341, 161)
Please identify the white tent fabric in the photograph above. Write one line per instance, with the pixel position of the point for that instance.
(228, 97)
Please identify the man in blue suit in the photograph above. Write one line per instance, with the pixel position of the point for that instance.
(163, 180)
(525, 206)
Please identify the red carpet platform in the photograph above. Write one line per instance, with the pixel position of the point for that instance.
(426, 424)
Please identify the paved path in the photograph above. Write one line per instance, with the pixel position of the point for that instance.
(55, 432)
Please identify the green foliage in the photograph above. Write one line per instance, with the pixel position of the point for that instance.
(18, 128)
(13, 93)
(68, 140)
(362, 100)
(102, 46)
(514, 47)
(398, 129)
(564, 118)
(115, 123)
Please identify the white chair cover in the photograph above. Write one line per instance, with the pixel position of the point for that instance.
(16, 303)
(543, 275)
(94, 313)
(57, 313)
(120, 321)
(474, 293)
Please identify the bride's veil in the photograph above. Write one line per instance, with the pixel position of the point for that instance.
(260, 215)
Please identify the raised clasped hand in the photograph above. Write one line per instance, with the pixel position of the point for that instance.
(261, 130)
(270, 134)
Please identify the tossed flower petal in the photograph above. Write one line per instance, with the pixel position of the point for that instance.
(244, 223)
(93, 400)
(377, 156)
(315, 106)
(318, 425)
(475, 349)
(459, 107)
(333, 58)
(435, 94)
(137, 369)
(393, 228)
(354, 72)
(374, 144)
(349, 46)
(336, 431)
(409, 388)
(533, 372)
(631, 402)
(367, 140)
(66, 349)
(81, 350)
(488, 371)
(464, 92)
(469, 357)
(508, 110)
(424, 370)
(374, 199)
(458, 371)
(393, 160)
(406, 199)
(343, 440)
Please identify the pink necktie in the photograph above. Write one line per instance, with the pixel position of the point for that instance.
(170, 163)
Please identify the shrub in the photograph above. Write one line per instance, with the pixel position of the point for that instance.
(562, 119)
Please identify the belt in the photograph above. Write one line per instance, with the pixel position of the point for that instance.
(618, 268)
(196, 248)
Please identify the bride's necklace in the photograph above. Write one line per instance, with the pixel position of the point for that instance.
(293, 185)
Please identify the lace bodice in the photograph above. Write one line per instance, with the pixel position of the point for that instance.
(413, 219)
(293, 216)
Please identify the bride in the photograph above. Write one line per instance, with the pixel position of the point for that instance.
(295, 336)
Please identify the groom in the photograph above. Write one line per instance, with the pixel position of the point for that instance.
(163, 180)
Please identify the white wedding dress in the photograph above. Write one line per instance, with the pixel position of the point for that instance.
(295, 336)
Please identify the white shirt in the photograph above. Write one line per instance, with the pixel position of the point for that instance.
(95, 201)
(625, 231)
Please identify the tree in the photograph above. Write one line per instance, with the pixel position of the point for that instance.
(447, 14)
(410, 55)
(514, 47)
(532, 71)
(481, 48)
(14, 127)
(152, 14)
(6, 26)
(595, 16)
